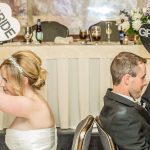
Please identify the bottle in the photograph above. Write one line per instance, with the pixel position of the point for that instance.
(121, 35)
(39, 32)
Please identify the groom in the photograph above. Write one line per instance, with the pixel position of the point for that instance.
(122, 115)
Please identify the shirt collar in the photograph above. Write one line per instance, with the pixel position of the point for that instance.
(127, 97)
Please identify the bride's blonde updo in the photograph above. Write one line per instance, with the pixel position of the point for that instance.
(24, 64)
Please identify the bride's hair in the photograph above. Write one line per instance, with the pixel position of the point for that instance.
(24, 64)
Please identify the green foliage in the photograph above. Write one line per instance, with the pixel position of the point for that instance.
(131, 31)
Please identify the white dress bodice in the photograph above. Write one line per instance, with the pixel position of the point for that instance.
(41, 139)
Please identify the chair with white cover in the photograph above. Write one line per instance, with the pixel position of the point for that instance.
(83, 133)
(105, 138)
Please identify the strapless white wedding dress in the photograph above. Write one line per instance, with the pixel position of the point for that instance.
(41, 139)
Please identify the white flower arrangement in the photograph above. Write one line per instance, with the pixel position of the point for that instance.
(131, 22)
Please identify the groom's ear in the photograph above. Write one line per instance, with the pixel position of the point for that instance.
(126, 79)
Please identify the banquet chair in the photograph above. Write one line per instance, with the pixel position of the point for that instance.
(52, 29)
(114, 37)
(106, 140)
(83, 133)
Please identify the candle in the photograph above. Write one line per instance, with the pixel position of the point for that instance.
(126, 40)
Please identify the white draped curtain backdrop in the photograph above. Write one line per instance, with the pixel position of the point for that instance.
(75, 88)
(77, 80)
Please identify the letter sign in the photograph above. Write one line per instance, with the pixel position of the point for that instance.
(9, 26)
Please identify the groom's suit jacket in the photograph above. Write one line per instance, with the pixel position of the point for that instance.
(127, 122)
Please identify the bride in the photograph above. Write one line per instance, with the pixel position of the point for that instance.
(34, 127)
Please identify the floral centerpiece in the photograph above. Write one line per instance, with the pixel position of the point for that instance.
(130, 22)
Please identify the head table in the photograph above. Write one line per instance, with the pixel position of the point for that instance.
(77, 79)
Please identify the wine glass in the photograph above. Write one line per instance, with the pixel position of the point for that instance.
(28, 34)
(96, 33)
(83, 34)
(108, 30)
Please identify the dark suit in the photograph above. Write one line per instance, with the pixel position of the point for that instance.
(126, 122)
(146, 99)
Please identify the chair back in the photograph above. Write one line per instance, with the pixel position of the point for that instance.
(105, 138)
(52, 29)
(82, 134)
(114, 37)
